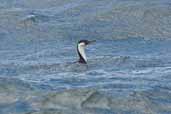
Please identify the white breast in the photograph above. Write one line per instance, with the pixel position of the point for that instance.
(81, 49)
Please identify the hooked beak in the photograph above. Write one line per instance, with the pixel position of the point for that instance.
(90, 42)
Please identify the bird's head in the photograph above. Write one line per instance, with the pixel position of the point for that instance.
(85, 42)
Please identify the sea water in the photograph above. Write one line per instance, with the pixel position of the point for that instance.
(128, 69)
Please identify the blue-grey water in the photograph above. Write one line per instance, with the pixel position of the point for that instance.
(129, 66)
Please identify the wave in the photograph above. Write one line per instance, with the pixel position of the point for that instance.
(93, 19)
(105, 63)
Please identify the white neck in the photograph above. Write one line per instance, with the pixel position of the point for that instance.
(81, 49)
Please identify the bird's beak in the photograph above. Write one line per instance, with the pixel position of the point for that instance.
(90, 42)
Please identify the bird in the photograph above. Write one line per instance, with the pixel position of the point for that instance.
(81, 45)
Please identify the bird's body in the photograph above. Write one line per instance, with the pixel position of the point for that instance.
(81, 50)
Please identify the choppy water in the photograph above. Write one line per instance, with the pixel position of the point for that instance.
(128, 70)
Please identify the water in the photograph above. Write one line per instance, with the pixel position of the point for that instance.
(128, 68)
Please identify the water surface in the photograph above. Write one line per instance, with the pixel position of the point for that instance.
(128, 68)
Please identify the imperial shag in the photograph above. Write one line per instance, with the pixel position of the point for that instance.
(81, 50)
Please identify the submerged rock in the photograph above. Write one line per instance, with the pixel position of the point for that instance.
(92, 101)
(69, 98)
(18, 99)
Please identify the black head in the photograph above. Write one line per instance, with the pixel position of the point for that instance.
(86, 42)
